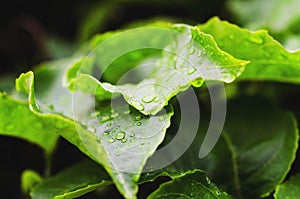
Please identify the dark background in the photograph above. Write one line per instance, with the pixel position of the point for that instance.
(25, 31)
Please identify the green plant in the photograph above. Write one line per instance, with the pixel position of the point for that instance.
(120, 126)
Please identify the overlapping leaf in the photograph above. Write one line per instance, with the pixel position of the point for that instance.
(268, 58)
(255, 151)
(188, 59)
(193, 184)
(289, 189)
(114, 135)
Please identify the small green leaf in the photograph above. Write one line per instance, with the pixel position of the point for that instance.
(193, 184)
(71, 183)
(268, 58)
(29, 179)
(289, 189)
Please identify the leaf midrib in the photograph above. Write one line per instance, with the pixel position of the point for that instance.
(234, 163)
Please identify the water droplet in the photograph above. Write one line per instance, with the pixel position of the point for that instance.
(91, 129)
(132, 139)
(197, 82)
(231, 37)
(114, 130)
(255, 39)
(124, 140)
(114, 115)
(138, 105)
(137, 117)
(50, 107)
(108, 124)
(132, 134)
(156, 99)
(111, 140)
(106, 133)
(218, 192)
(191, 71)
(207, 180)
(105, 118)
(95, 114)
(139, 123)
(126, 112)
(120, 135)
(191, 50)
(118, 147)
(148, 99)
(161, 118)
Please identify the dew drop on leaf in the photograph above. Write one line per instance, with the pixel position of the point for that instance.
(207, 180)
(124, 140)
(95, 114)
(137, 117)
(256, 39)
(106, 133)
(111, 140)
(231, 37)
(126, 112)
(192, 50)
(91, 129)
(139, 123)
(132, 135)
(191, 71)
(120, 135)
(105, 118)
(138, 105)
(161, 118)
(108, 124)
(148, 99)
(114, 115)
(197, 82)
(156, 99)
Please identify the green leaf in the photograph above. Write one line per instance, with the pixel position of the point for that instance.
(275, 15)
(255, 151)
(268, 59)
(290, 189)
(191, 58)
(193, 184)
(112, 135)
(71, 183)
(18, 121)
(29, 179)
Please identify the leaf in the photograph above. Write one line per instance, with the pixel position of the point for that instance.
(87, 176)
(112, 135)
(255, 151)
(29, 179)
(289, 189)
(193, 184)
(52, 96)
(18, 121)
(268, 59)
(71, 183)
(273, 14)
(191, 58)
